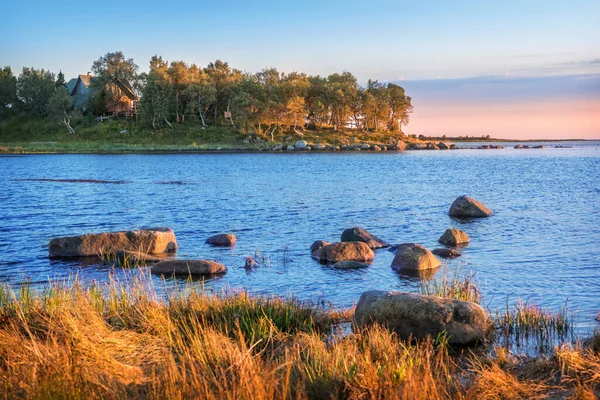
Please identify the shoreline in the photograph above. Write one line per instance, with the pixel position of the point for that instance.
(39, 148)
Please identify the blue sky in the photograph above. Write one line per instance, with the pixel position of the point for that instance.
(386, 40)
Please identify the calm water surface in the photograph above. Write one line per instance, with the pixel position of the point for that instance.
(541, 245)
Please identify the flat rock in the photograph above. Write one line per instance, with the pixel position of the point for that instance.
(354, 251)
(414, 257)
(418, 316)
(453, 237)
(223, 240)
(446, 253)
(358, 234)
(468, 207)
(346, 264)
(188, 267)
(149, 241)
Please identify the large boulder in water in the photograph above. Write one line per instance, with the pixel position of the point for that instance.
(223, 240)
(468, 207)
(414, 257)
(358, 234)
(188, 267)
(453, 237)
(417, 316)
(354, 251)
(150, 241)
(126, 258)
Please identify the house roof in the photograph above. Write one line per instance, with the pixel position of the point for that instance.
(71, 85)
(86, 79)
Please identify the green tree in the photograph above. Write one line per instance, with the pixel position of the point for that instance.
(156, 103)
(60, 80)
(34, 89)
(59, 105)
(8, 90)
(114, 76)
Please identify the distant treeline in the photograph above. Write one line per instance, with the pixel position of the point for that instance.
(264, 102)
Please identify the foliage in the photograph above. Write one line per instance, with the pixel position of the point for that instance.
(59, 105)
(34, 89)
(8, 89)
(114, 74)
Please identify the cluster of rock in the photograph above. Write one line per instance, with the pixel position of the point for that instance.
(346, 145)
(490, 146)
(409, 315)
(521, 146)
(154, 247)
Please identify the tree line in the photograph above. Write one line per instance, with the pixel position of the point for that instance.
(266, 102)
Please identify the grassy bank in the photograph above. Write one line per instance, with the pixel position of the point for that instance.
(26, 134)
(121, 341)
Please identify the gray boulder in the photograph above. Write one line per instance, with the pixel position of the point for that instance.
(453, 237)
(290, 148)
(354, 251)
(301, 145)
(188, 267)
(223, 240)
(149, 241)
(418, 316)
(414, 257)
(358, 234)
(468, 207)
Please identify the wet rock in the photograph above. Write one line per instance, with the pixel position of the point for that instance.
(376, 148)
(432, 146)
(350, 265)
(453, 237)
(223, 240)
(468, 207)
(354, 251)
(365, 146)
(418, 316)
(519, 146)
(150, 241)
(413, 257)
(358, 234)
(446, 253)
(290, 148)
(188, 267)
(320, 147)
(126, 258)
(539, 147)
(278, 147)
(317, 244)
(443, 146)
(251, 263)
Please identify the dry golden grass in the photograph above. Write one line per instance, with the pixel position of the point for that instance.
(121, 341)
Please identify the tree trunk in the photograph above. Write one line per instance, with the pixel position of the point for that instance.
(154, 121)
(67, 122)
(168, 123)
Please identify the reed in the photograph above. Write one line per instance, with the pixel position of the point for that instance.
(122, 340)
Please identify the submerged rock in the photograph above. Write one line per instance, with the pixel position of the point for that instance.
(468, 207)
(317, 244)
(346, 264)
(418, 316)
(453, 237)
(446, 253)
(251, 263)
(188, 267)
(149, 241)
(358, 234)
(413, 256)
(223, 240)
(354, 251)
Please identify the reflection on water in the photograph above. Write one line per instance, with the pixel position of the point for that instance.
(540, 245)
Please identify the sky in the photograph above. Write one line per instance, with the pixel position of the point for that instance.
(511, 69)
